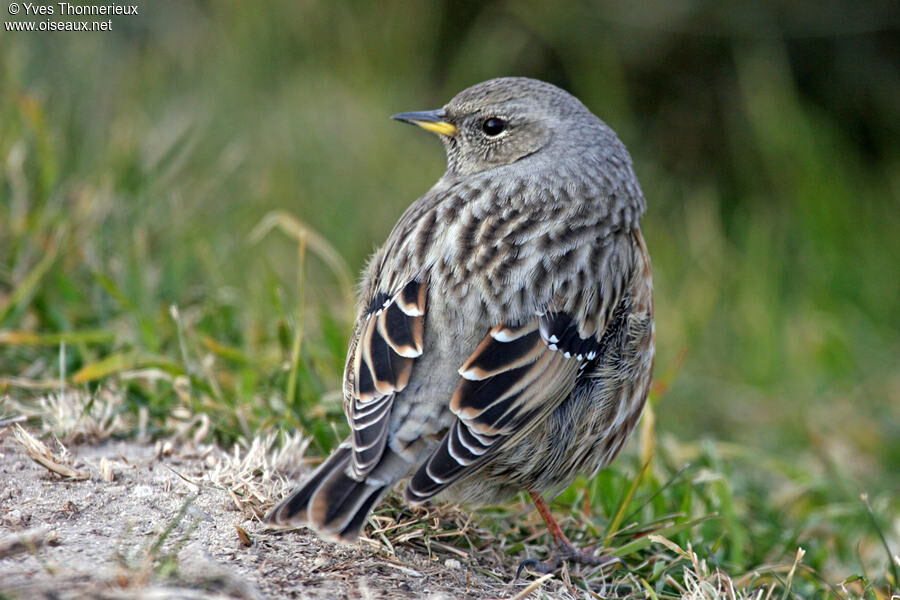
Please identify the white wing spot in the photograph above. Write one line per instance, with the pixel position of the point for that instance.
(502, 336)
(468, 374)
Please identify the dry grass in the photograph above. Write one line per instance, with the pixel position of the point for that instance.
(75, 416)
(58, 462)
(255, 477)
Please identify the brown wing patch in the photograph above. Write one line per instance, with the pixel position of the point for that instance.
(504, 348)
(390, 339)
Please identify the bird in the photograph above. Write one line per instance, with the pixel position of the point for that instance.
(504, 339)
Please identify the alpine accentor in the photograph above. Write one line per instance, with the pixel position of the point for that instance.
(504, 338)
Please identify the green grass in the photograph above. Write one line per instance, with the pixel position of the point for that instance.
(141, 247)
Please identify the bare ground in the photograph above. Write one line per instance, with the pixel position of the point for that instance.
(154, 521)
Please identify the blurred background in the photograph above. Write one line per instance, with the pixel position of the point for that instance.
(137, 165)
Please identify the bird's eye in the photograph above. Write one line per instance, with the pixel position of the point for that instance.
(493, 127)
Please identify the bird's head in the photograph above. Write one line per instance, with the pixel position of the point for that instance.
(502, 121)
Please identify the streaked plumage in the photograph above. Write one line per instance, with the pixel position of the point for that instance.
(504, 340)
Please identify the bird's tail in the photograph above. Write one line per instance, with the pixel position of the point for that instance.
(331, 501)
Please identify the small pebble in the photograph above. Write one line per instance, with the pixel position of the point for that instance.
(142, 491)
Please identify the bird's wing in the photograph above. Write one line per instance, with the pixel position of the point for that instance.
(516, 376)
(388, 341)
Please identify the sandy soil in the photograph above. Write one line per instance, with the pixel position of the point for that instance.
(95, 538)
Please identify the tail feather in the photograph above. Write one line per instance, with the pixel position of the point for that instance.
(337, 503)
(291, 512)
(330, 501)
(351, 530)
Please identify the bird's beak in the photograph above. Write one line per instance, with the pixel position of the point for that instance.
(430, 120)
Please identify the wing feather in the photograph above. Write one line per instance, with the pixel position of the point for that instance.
(495, 355)
(512, 379)
(390, 339)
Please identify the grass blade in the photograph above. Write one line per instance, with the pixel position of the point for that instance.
(29, 283)
(626, 501)
(644, 541)
(30, 338)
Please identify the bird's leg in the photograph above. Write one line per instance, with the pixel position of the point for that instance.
(565, 551)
